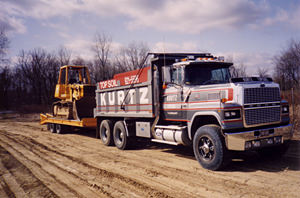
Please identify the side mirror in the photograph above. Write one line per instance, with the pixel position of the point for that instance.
(166, 75)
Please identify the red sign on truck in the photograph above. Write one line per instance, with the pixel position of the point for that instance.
(126, 78)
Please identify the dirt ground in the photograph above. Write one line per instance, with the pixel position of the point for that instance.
(37, 163)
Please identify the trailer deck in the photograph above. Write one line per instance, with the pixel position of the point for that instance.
(85, 122)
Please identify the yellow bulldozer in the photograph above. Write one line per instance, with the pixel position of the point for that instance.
(77, 100)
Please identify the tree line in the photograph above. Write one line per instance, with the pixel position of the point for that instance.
(30, 80)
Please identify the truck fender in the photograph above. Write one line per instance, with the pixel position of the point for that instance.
(205, 113)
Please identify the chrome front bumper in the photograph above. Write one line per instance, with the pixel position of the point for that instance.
(237, 141)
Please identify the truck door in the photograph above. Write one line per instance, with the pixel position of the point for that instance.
(173, 97)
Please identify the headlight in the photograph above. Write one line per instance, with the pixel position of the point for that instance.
(285, 109)
(233, 114)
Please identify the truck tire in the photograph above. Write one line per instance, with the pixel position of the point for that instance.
(105, 133)
(52, 128)
(60, 129)
(209, 147)
(120, 136)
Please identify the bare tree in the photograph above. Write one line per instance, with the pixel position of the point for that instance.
(5, 85)
(132, 56)
(287, 66)
(64, 56)
(38, 71)
(238, 71)
(78, 61)
(262, 72)
(4, 46)
(5, 71)
(101, 48)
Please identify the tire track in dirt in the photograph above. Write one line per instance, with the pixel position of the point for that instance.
(47, 178)
(164, 180)
(5, 190)
(218, 179)
(35, 148)
(19, 178)
(127, 181)
(217, 182)
(160, 169)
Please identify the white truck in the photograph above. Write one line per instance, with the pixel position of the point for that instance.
(191, 99)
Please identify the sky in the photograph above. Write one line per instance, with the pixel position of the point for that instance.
(248, 32)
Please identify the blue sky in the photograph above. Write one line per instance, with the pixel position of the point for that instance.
(249, 32)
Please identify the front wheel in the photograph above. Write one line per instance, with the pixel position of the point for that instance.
(209, 147)
(120, 136)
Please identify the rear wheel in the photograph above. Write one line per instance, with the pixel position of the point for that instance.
(60, 129)
(209, 147)
(105, 131)
(52, 128)
(120, 136)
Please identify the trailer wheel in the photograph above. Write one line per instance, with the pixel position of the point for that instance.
(52, 128)
(209, 147)
(105, 131)
(60, 129)
(120, 136)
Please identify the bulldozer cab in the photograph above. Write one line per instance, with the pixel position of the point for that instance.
(70, 74)
(69, 77)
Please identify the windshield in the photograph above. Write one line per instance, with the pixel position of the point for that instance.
(77, 75)
(206, 75)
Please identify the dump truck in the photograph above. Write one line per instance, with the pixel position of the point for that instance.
(76, 100)
(191, 99)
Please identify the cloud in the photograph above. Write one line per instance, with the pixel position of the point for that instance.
(80, 47)
(14, 12)
(12, 24)
(189, 16)
(281, 16)
(252, 61)
(288, 17)
(192, 16)
(174, 47)
(295, 16)
(83, 48)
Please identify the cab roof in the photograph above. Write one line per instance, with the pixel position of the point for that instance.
(73, 66)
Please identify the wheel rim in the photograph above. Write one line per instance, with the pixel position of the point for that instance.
(206, 148)
(51, 128)
(119, 137)
(104, 134)
(58, 128)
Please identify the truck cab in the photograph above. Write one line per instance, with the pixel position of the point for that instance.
(187, 83)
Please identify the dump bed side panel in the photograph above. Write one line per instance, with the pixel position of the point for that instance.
(126, 95)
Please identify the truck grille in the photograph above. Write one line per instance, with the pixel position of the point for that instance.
(261, 95)
(262, 115)
(257, 112)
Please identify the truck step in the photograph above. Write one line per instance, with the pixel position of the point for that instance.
(164, 142)
(175, 127)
